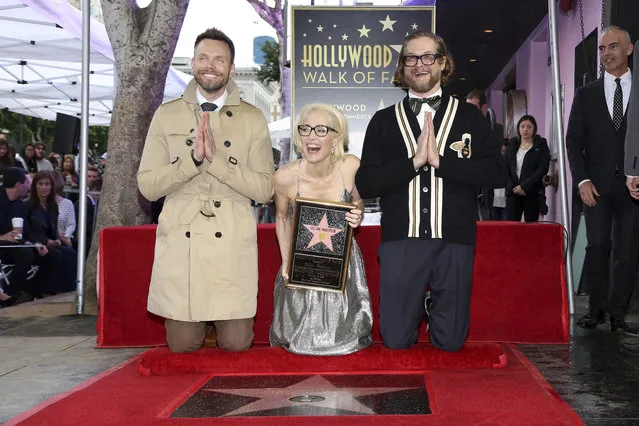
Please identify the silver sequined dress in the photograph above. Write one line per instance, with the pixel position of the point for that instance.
(313, 322)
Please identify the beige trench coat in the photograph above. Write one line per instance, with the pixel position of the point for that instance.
(205, 265)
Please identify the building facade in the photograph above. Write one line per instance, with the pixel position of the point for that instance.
(264, 97)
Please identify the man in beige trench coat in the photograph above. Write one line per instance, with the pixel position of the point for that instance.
(209, 154)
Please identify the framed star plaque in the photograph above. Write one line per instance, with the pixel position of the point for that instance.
(320, 245)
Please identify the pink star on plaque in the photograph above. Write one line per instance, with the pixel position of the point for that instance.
(322, 233)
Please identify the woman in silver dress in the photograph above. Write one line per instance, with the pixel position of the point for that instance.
(313, 322)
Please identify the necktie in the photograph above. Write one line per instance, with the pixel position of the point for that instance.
(416, 103)
(209, 106)
(617, 105)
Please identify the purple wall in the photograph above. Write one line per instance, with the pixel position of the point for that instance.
(534, 76)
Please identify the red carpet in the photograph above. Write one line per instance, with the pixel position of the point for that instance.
(514, 395)
(162, 361)
(519, 292)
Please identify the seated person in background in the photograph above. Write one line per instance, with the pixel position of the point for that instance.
(42, 217)
(28, 159)
(307, 321)
(94, 181)
(527, 159)
(15, 188)
(66, 213)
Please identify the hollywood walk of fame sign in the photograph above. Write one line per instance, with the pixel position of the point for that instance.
(346, 57)
(320, 245)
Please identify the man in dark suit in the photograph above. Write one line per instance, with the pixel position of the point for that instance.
(425, 157)
(595, 143)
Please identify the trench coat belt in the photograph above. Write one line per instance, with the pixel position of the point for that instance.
(202, 203)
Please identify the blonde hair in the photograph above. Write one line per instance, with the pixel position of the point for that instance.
(337, 121)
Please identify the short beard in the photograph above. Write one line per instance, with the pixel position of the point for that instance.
(211, 88)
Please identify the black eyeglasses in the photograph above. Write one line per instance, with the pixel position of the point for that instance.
(426, 58)
(320, 130)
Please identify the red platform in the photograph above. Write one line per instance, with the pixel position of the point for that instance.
(519, 292)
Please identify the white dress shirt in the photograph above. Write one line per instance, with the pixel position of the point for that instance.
(425, 107)
(220, 101)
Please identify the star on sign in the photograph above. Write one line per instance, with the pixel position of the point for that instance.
(414, 26)
(320, 29)
(322, 233)
(330, 37)
(334, 25)
(344, 37)
(333, 397)
(310, 20)
(304, 34)
(387, 24)
(363, 32)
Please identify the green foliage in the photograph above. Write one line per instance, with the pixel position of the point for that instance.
(38, 130)
(270, 70)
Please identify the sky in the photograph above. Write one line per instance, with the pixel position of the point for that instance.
(239, 21)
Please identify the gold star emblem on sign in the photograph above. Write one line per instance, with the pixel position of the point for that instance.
(387, 24)
(320, 29)
(363, 32)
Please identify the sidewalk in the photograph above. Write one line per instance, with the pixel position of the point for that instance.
(46, 349)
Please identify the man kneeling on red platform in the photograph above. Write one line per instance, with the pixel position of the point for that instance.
(425, 158)
(209, 154)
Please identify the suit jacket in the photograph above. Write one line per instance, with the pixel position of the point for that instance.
(425, 203)
(533, 169)
(595, 148)
(631, 163)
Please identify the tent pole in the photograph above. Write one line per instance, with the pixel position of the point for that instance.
(84, 144)
(557, 110)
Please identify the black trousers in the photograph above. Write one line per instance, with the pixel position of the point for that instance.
(408, 268)
(528, 205)
(21, 259)
(615, 214)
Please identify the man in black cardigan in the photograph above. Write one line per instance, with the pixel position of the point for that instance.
(595, 143)
(424, 157)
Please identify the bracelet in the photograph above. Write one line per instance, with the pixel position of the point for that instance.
(196, 162)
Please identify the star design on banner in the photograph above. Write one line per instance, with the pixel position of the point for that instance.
(332, 397)
(320, 29)
(414, 26)
(387, 24)
(304, 34)
(310, 20)
(363, 32)
(334, 25)
(344, 37)
(330, 37)
(322, 233)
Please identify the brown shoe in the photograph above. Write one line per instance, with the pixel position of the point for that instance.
(210, 341)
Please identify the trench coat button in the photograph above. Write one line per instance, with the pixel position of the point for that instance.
(188, 234)
(227, 143)
(218, 234)
(229, 113)
(189, 142)
(217, 204)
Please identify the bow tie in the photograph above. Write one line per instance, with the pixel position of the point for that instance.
(416, 103)
(209, 106)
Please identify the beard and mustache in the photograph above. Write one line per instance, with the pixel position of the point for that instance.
(211, 86)
(422, 84)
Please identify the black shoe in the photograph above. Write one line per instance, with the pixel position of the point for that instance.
(592, 320)
(9, 302)
(621, 325)
(631, 349)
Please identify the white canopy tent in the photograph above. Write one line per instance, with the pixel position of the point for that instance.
(280, 128)
(41, 62)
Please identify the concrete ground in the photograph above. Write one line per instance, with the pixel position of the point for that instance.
(46, 349)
